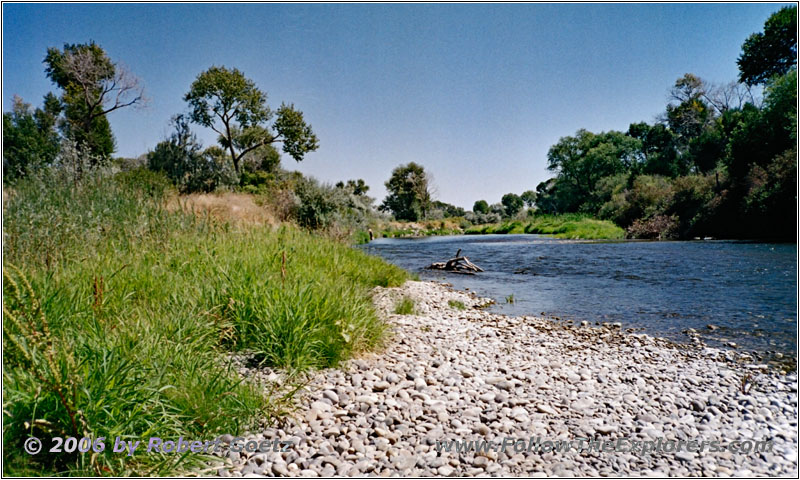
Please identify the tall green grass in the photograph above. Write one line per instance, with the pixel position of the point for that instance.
(572, 226)
(119, 315)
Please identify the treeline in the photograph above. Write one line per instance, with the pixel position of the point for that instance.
(721, 161)
(71, 132)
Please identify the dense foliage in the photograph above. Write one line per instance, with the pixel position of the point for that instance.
(120, 315)
(719, 163)
(409, 193)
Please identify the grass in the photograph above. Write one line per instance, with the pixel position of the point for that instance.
(119, 314)
(457, 304)
(405, 306)
(510, 298)
(568, 226)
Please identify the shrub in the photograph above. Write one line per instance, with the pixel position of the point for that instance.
(180, 158)
(657, 227)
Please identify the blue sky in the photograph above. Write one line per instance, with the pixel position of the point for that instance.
(475, 93)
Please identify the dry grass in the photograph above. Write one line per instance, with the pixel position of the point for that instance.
(237, 208)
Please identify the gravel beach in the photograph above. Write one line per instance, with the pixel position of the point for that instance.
(451, 374)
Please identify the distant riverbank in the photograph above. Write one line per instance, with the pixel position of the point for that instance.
(568, 226)
(571, 226)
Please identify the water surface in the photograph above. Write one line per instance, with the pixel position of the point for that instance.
(747, 289)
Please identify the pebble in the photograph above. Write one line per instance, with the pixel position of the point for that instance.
(473, 375)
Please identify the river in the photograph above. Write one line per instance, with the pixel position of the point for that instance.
(748, 290)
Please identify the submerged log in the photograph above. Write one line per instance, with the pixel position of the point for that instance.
(457, 264)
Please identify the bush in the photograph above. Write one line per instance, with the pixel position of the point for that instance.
(657, 227)
(180, 158)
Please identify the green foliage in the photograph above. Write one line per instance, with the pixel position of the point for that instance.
(773, 52)
(512, 203)
(409, 195)
(356, 187)
(647, 196)
(230, 104)
(92, 87)
(30, 140)
(456, 304)
(571, 226)
(338, 211)
(480, 207)
(445, 210)
(716, 164)
(529, 198)
(182, 160)
(581, 161)
(405, 306)
(575, 227)
(132, 310)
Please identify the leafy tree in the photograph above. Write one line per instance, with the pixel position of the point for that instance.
(581, 161)
(30, 140)
(773, 52)
(93, 86)
(358, 187)
(689, 118)
(658, 149)
(529, 198)
(512, 203)
(480, 207)
(231, 105)
(184, 162)
(263, 159)
(498, 209)
(447, 210)
(409, 193)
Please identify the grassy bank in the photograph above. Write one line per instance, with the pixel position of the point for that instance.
(119, 313)
(574, 226)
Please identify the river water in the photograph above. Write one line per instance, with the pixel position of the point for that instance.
(748, 290)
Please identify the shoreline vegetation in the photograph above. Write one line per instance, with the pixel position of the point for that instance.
(566, 226)
(163, 295)
(119, 310)
(452, 371)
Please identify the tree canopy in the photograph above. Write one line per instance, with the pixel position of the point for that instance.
(93, 86)
(230, 104)
(773, 52)
(409, 193)
(512, 203)
(481, 206)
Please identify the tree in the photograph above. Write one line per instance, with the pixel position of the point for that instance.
(93, 86)
(773, 52)
(480, 207)
(30, 140)
(409, 193)
(529, 198)
(182, 159)
(512, 203)
(231, 105)
(263, 159)
(688, 119)
(356, 187)
(581, 161)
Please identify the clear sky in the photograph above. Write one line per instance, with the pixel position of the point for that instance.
(475, 93)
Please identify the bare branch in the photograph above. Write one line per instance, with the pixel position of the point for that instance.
(101, 82)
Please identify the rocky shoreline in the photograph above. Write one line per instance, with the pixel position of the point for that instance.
(454, 372)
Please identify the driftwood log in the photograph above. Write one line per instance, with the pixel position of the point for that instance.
(457, 264)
